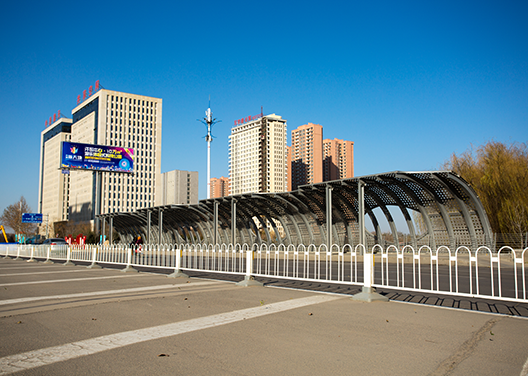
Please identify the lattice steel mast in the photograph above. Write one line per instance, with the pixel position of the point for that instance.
(209, 122)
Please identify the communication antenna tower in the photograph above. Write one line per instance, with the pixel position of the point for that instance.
(209, 122)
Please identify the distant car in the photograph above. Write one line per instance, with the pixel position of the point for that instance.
(56, 244)
(55, 241)
(35, 240)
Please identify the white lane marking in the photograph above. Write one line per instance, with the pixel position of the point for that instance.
(69, 280)
(524, 371)
(108, 292)
(32, 266)
(50, 355)
(56, 272)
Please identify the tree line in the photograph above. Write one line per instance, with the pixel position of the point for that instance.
(498, 173)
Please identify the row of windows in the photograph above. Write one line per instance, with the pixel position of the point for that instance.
(131, 117)
(140, 186)
(132, 122)
(131, 110)
(127, 205)
(128, 195)
(117, 99)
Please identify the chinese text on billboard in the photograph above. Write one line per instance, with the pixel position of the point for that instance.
(97, 157)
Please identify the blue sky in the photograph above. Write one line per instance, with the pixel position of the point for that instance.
(410, 82)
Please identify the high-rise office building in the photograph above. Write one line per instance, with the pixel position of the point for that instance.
(178, 187)
(54, 185)
(219, 187)
(306, 155)
(338, 159)
(117, 119)
(257, 156)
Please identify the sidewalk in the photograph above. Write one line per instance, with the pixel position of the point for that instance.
(205, 327)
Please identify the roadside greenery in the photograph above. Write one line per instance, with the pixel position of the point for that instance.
(499, 174)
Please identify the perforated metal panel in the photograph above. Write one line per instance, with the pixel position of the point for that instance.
(449, 208)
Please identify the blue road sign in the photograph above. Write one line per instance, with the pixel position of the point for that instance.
(31, 218)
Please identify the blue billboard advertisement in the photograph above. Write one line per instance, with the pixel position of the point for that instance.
(96, 157)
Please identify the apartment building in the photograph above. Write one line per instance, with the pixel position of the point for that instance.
(338, 159)
(219, 187)
(306, 155)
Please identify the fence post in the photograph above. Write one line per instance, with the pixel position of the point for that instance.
(249, 280)
(18, 254)
(68, 256)
(368, 293)
(48, 261)
(129, 267)
(31, 259)
(94, 260)
(177, 272)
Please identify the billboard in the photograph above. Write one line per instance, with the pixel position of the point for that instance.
(96, 157)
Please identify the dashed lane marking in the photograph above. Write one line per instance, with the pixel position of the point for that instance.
(108, 292)
(68, 280)
(50, 355)
(55, 272)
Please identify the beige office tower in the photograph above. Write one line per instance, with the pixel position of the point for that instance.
(53, 184)
(125, 120)
(178, 188)
(306, 155)
(219, 187)
(257, 156)
(338, 159)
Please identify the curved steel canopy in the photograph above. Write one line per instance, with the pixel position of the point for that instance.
(437, 207)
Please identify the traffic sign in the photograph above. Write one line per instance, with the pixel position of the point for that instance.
(31, 218)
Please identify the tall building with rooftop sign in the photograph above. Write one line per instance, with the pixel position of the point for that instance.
(257, 155)
(54, 186)
(108, 118)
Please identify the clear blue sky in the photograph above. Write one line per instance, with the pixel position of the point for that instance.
(409, 82)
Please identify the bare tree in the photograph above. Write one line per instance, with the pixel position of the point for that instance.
(12, 217)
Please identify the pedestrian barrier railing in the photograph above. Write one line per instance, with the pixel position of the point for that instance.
(462, 272)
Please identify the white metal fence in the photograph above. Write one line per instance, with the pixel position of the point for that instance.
(480, 273)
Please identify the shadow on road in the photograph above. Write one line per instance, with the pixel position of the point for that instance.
(473, 304)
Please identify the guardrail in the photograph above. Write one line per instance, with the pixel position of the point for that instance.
(462, 272)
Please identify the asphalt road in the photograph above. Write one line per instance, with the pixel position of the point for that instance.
(64, 320)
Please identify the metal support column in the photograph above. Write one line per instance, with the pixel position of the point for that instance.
(160, 225)
(233, 222)
(97, 208)
(215, 223)
(111, 240)
(148, 226)
(361, 212)
(368, 293)
(329, 224)
(103, 231)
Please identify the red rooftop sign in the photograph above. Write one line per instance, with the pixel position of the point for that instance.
(247, 119)
(91, 91)
(53, 119)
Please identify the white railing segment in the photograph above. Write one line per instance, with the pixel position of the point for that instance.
(461, 272)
